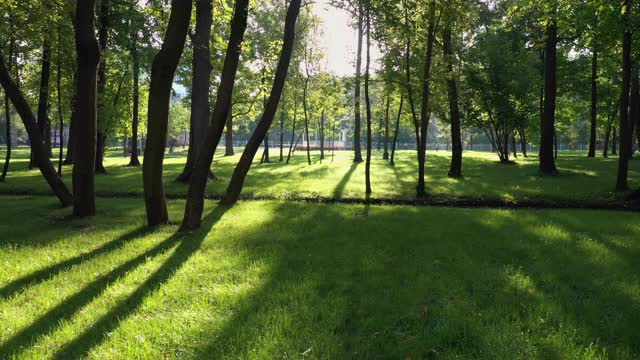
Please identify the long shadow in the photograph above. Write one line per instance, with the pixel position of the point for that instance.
(66, 309)
(47, 273)
(339, 190)
(107, 323)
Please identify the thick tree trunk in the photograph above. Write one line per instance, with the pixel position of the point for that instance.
(162, 71)
(594, 104)
(385, 153)
(7, 115)
(625, 135)
(43, 102)
(197, 186)
(134, 161)
(367, 169)
(424, 111)
(88, 54)
(241, 170)
(395, 134)
(455, 170)
(41, 155)
(547, 160)
(228, 134)
(201, 73)
(356, 135)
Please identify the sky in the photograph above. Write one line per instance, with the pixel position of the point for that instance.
(339, 40)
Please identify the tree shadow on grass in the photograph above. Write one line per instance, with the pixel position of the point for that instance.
(50, 271)
(66, 309)
(339, 190)
(110, 321)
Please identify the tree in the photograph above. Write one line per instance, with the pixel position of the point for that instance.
(239, 174)
(368, 100)
(455, 171)
(195, 197)
(625, 124)
(356, 104)
(200, 84)
(88, 54)
(162, 71)
(7, 114)
(40, 152)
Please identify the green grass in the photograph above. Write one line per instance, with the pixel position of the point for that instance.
(271, 279)
(581, 179)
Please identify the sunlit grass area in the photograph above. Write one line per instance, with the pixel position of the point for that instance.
(269, 279)
(581, 178)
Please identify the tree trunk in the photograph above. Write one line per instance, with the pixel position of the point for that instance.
(424, 111)
(201, 73)
(625, 135)
(228, 134)
(305, 90)
(241, 170)
(71, 142)
(514, 149)
(39, 151)
(455, 170)
(265, 153)
(367, 169)
(395, 134)
(282, 116)
(594, 103)
(634, 110)
(7, 114)
(547, 161)
(385, 154)
(197, 186)
(523, 142)
(356, 135)
(103, 38)
(162, 71)
(293, 128)
(88, 54)
(322, 136)
(607, 136)
(43, 102)
(59, 91)
(614, 141)
(134, 161)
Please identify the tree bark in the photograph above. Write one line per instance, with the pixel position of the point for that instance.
(455, 170)
(625, 135)
(201, 73)
(395, 134)
(322, 136)
(195, 197)
(71, 142)
(523, 142)
(634, 110)
(547, 164)
(228, 134)
(162, 71)
(241, 170)
(385, 153)
(367, 169)
(356, 135)
(59, 93)
(293, 128)
(43, 102)
(103, 38)
(594, 103)
(614, 141)
(424, 111)
(22, 107)
(88, 53)
(282, 117)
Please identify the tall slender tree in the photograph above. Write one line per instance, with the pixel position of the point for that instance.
(455, 170)
(625, 135)
(356, 103)
(367, 99)
(547, 127)
(7, 112)
(163, 69)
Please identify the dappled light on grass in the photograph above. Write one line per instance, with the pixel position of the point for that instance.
(279, 279)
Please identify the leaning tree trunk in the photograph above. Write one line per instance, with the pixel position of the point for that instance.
(162, 71)
(367, 168)
(41, 155)
(201, 73)
(424, 111)
(395, 134)
(195, 197)
(356, 103)
(241, 170)
(594, 104)
(88, 54)
(43, 101)
(547, 160)
(625, 136)
(7, 116)
(455, 170)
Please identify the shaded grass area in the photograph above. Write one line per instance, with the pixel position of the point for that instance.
(581, 179)
(270, 279)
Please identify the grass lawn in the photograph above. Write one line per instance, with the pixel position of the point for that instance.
(581, 178)
(272, 279)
